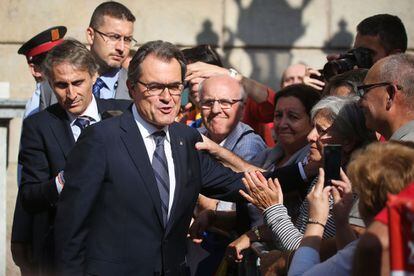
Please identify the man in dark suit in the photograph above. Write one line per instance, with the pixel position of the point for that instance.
(131, 182)
(47, 138)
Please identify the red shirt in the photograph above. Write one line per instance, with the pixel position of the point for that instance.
(407, 192)
(260, 116)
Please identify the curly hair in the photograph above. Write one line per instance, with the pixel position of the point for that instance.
(379, 169)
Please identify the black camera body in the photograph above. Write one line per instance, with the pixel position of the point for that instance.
(360, 57)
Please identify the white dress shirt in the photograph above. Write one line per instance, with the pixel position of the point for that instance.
(146, 129)
(93, 115)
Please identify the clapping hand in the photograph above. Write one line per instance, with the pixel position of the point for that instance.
(260, 192)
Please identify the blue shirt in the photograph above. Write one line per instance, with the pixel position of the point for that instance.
(111, 83)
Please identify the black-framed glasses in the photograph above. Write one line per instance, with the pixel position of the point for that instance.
(156, 89)
(365, 88)
(128, 40)
(224, 103)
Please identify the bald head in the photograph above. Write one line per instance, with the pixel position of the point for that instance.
(222, 82)
(221, 100)
(293, 75)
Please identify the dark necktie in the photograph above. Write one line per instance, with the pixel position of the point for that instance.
(82, 122)
(97, 86)
(160, 167)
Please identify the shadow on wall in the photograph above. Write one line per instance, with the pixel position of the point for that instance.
(341, 40)
(269, 28)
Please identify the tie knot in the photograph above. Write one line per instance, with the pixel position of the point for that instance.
(159, 137)
(82, 122)
(97, 86)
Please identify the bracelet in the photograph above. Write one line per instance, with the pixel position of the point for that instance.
(312, 221)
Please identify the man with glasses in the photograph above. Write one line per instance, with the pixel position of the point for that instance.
(47, 138)
(387, 97)
(131, 182)
(110, 37)
(222, 100)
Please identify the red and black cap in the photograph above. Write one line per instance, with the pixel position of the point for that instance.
(42, 42)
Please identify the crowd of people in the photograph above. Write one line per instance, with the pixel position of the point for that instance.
(161, 161)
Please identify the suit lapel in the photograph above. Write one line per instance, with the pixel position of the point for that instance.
(179, 154)
(61, 129)
(136, 148)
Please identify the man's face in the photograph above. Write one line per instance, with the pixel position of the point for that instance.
(220, 121)
(72, 86)
(293, 75)
(374, 101)
(110, 54)
(373, 43)
(160, 110)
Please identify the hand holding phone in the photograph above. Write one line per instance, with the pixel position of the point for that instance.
(332, 162)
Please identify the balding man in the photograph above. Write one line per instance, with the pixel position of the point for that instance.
(387, 98)
(222, 101)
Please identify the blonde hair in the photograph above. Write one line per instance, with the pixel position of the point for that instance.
(379, 169)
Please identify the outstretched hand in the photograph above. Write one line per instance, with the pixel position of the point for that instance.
(260, 192)
(203, 70)
(313, 82)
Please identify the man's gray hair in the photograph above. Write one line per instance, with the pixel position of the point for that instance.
(163, 50)
(72, 52)
(243, 94)
(399, 68)
(347, 117)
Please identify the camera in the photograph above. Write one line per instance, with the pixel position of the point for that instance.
(360, 57)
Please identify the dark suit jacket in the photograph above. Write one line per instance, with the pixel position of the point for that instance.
(109, 219)
(45, 144)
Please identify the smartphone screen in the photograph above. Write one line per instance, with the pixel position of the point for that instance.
(332, 162)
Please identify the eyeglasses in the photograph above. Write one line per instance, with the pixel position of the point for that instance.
(365, 88)
(113, 38)
(224, 103)
(156, 89)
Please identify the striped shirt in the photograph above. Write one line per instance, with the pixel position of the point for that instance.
(287, 234)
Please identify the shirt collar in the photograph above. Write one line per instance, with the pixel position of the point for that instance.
(91, 112)
(403, 131)
(110, 78)
(146, 128)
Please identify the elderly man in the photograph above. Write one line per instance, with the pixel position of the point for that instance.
(387, 98)
(131, 182)
(47, 138)
(222, 100)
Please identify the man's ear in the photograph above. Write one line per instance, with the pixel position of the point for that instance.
(130, 88)
(35, 70)
(90, 35)
(391, 96)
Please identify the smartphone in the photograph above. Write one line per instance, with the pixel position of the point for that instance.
(332, 162)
